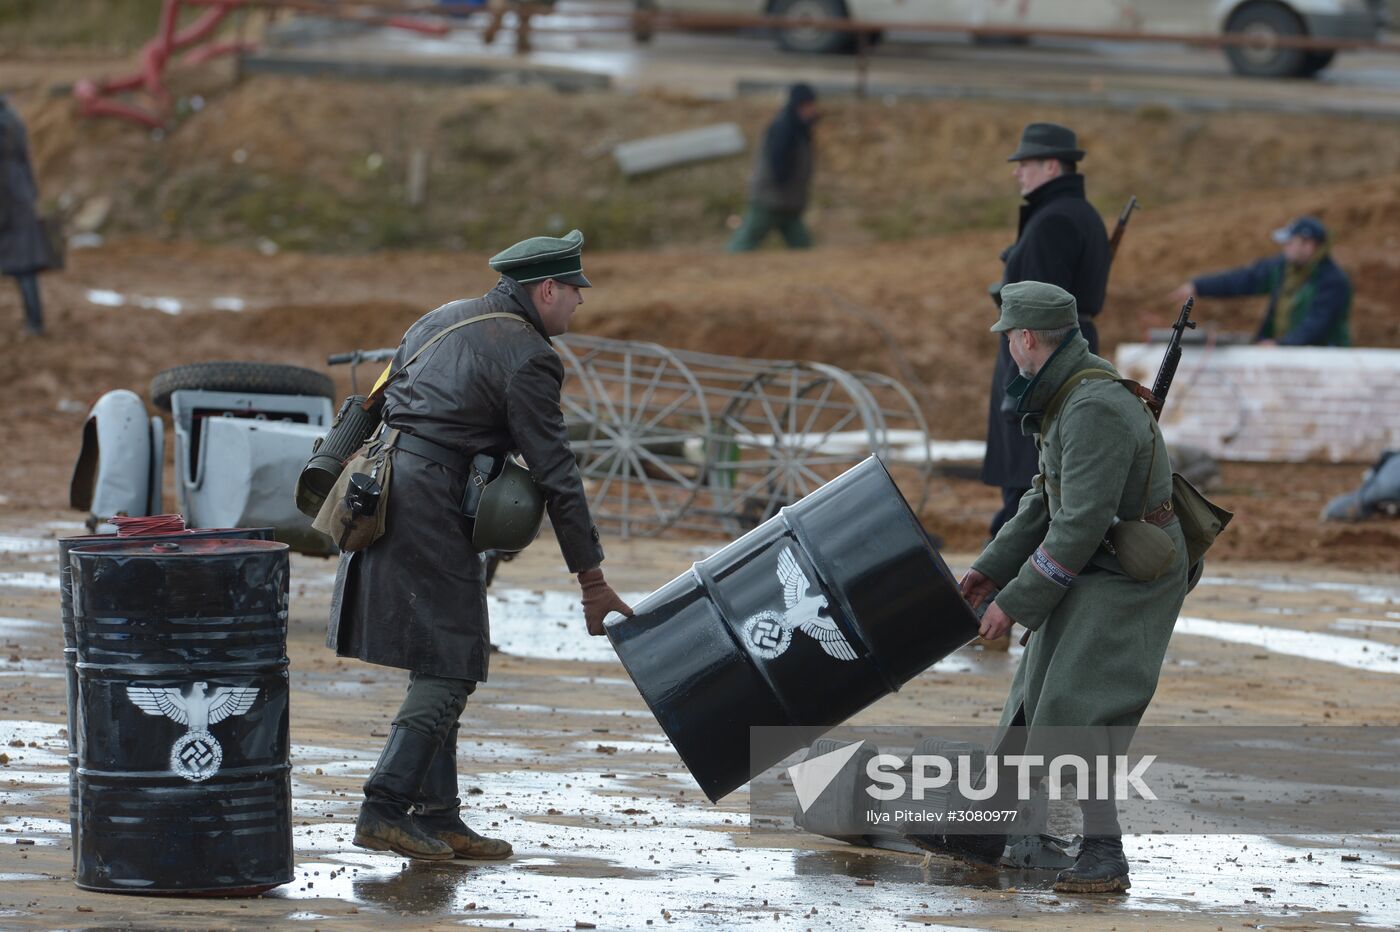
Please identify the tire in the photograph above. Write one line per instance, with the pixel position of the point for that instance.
(1267, 21)
(1313, 62)
(262, 378)
(811, 40)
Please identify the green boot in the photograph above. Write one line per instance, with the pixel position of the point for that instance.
(385, 823)
(438, 810)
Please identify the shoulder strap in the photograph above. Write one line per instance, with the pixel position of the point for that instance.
(385, 380)
(1058, 401)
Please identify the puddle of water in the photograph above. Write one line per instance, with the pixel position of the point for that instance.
(546, 625)
(44, 734)
(303, 754)
(1364, 624)
(1371, 595)
(45, 832)
(1371, 656)
(104, 297)
(13, 626)
(11, 544)
(29, 580)
(598, 680)
(555, 710)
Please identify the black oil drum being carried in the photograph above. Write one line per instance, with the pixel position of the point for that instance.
(183, 760)
(70, 641)
(832, 604)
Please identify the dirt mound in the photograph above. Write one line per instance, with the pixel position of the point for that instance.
(326, 166)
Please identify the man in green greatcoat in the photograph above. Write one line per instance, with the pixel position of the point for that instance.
(1097, 635)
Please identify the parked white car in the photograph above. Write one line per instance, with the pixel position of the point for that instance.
(1263, 19)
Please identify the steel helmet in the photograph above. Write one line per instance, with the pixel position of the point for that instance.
(510, 511)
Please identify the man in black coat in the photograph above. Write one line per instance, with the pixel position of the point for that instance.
(1061, 240)
(24, 252)
(782, 176)
(416, 597)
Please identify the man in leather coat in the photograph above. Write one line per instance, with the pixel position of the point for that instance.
(416, 598)
(1061, 240)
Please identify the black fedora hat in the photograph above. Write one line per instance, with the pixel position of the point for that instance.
(1048, 141)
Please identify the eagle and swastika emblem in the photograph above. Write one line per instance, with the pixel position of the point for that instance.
(196, 755)
(768, 633)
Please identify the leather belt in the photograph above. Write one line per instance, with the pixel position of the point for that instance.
(444, 456)
(1162, 515)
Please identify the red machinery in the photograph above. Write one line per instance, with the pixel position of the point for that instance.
(95, 97)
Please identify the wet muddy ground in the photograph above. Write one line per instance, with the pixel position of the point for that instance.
(561, 757)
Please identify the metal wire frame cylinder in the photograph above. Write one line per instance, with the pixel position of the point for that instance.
(641, 424)
(672, 439)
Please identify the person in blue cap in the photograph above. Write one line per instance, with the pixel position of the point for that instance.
(1309, 294)
(782, 176)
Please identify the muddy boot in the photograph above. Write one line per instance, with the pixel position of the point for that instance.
(385, 823)
(438, 810)
(979, 850)
(1100, 868)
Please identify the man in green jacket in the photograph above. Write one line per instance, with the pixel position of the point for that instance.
(1097, 634)
(1309, 294)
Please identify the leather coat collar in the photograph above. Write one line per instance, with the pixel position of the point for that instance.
(515, 293)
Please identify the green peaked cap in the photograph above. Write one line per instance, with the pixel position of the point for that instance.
(1035, 306)
(541, 257)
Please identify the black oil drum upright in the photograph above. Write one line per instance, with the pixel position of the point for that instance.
(70, 641)
(183, 760)
(833, 603)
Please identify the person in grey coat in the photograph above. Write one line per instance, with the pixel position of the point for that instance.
(24, 252)
(416, 597)
(782, 176)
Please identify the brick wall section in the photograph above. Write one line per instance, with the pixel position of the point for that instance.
(1277, 404)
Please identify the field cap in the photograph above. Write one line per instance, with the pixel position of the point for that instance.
(1035, 306)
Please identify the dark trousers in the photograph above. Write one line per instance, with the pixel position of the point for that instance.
(1010, 502)
(424, 734)
(760, 221)
(33, 305)
(433, 704)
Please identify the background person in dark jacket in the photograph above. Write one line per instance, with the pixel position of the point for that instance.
(24, 252)
(782, 176)
(1309, 295)
(416, 598)
(1061, 240)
